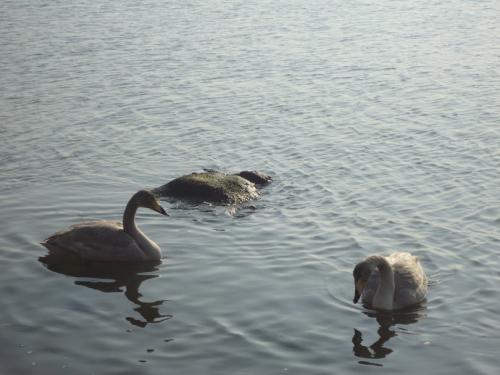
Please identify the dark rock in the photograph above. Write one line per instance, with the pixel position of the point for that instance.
(256, 177)
(210, 186)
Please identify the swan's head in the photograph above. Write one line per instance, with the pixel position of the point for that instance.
(147, 199)
(361, 274)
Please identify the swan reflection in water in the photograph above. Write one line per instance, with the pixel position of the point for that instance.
(112, 278)
(386, 320)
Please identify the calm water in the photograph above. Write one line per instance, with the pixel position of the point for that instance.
(379, 121)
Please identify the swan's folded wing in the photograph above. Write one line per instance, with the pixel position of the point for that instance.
(100, 241)
(410, 282)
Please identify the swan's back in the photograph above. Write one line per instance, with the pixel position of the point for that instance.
(409, 280)
(97, 240)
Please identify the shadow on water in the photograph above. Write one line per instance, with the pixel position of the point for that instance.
(387, 321)
(112, 278)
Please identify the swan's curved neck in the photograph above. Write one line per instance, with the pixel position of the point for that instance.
(384, 296)
(129, 217)
(149, 248)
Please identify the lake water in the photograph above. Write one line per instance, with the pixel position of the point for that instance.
(379, 121)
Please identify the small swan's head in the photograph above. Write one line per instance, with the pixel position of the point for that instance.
(147, 199)
(361, 274)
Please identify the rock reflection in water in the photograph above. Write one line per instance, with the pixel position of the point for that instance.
(117, 276)
(386, 321)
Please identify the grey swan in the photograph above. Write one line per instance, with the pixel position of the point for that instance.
(109, 240)
(390, 282)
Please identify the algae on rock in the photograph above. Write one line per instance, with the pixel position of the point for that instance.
(210, 186)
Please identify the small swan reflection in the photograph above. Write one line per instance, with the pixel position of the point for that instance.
(121, 275)
(386, 321)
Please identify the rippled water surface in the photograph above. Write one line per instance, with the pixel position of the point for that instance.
(379, 121)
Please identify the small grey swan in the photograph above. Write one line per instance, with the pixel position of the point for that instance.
(390, 283)
(109, 240)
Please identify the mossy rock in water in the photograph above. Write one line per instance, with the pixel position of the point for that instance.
(213, 186)
(256, 177)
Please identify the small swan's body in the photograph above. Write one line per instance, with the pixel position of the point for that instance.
(108, 240)
(390, 283)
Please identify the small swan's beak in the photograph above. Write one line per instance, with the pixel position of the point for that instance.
(161, 210)
(356, 296)
(358, 289)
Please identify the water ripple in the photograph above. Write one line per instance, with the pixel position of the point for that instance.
(377, 121)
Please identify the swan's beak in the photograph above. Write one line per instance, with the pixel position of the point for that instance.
(160, 210)
(356, 296)
(358, 289)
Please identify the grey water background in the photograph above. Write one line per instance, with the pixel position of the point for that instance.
(379, 121)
